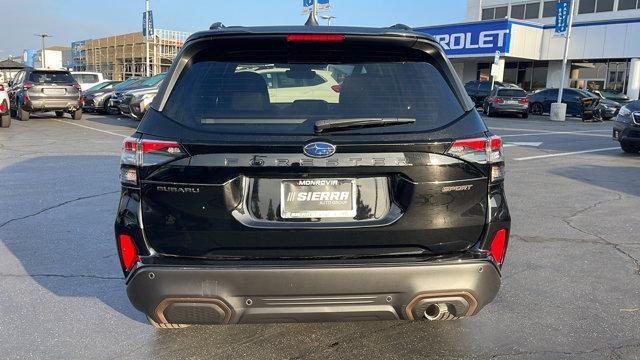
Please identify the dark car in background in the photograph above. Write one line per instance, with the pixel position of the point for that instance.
(120, 100)
(506, 101)
(479, 90)
(607, 109)
(94, 97)
(579, 103)
(626, 127)
(41, 90)
(135, 95)
(613, 95)
(386, 202)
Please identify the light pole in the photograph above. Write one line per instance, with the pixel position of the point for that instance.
(328, 18)
(43, 35)
(559, 110)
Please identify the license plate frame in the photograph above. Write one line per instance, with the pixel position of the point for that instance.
(54, 92)
(290, 203)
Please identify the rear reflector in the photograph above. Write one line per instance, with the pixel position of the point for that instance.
(128, 252)
(498, 246)
(315, 38)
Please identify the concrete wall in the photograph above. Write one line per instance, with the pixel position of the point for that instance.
(608, 41)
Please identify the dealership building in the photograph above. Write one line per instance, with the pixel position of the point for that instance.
(604, 53)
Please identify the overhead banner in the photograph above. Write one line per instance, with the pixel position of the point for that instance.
(323, 6)
(485, 38)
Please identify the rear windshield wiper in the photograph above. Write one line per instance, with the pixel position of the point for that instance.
(344, 124)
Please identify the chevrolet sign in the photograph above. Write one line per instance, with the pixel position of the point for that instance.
(482, 38)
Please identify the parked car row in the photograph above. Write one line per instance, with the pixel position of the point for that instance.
(131, 97)
(626, 127)
(509, 98)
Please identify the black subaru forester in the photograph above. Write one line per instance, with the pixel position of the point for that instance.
(301, 174)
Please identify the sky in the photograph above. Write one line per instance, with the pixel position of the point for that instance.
(71, 20)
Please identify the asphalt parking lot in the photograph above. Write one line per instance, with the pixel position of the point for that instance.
(571, 282)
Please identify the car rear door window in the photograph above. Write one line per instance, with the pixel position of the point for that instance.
(512, 93)
(51, 77)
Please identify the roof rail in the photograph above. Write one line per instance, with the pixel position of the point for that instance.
(216, 26)
(400, 27)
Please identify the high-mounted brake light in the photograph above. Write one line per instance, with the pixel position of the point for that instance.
(499, 246)
(128, 253)
(315, 38)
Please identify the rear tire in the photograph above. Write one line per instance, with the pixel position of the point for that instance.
(59, 113)
(165, 326)
(536, 109)
(5, 121)
(13, 113)
(24, 115)
(490, 113)
(77, 115)
(629, 148)
(525, 115)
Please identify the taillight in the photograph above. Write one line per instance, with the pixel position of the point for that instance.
(128, 253)
(136, 152)
(1, 87)
(499, 246)
(496, 100)
(25, 99)
(336, 88)
(481, 151)
(524, 101)
(315, 38)
(3, 106)
(27, 85)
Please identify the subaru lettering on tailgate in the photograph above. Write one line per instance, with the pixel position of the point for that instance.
(472, 39)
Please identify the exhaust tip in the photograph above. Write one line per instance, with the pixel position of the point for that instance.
(439, 311)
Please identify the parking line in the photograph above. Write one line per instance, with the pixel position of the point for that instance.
(558, 133)
(91, 128)
(565, 154)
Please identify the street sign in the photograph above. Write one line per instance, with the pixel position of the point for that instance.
(323, 6)
(563, 9)
(147, 25)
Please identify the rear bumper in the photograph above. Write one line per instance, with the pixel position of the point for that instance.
(269, 294)
(510, 108)
(629, 133)
(52, 104)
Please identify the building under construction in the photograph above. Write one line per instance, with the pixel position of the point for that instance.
(123, 56)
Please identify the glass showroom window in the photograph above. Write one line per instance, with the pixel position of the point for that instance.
(628, 4)
(591, 6)
(495, 13)
(526, 11)
(549, 9)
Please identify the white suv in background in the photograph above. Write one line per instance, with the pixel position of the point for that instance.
(88, 79)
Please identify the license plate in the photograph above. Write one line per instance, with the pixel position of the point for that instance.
(54, 91)
(511, 102)
(318, 198)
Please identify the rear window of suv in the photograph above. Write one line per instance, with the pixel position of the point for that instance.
(51, 77)
(235, 97)
(512, 93)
